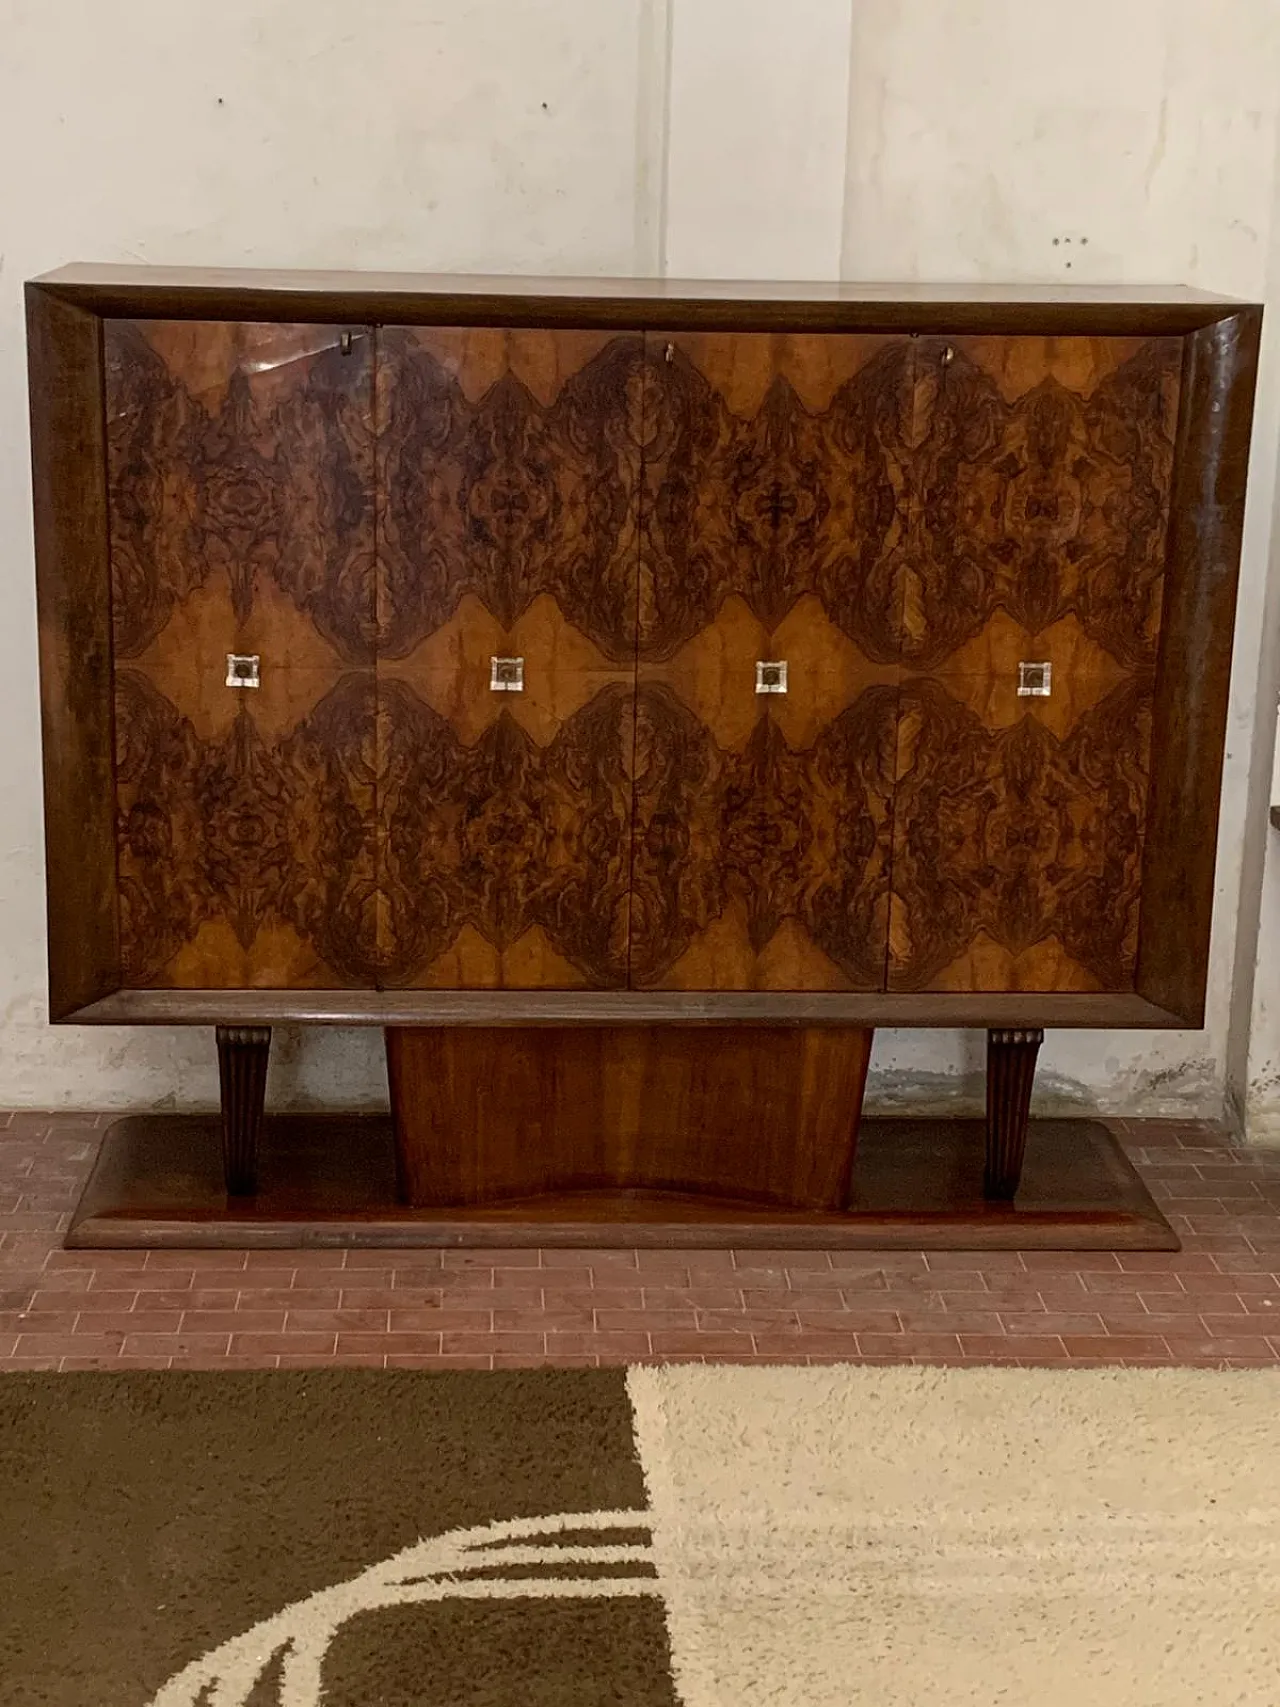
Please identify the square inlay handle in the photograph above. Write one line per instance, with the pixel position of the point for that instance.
(506, 675)
(771, 675)
(1035, 681)
(244, 670)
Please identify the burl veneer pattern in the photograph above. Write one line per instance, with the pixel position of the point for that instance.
(904, 521)
(240, 463)
(640, 518)
(773, 509)
(509, 466)
(1039, 509)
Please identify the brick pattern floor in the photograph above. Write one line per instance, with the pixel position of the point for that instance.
(1217, 1302)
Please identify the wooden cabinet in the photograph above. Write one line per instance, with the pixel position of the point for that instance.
(1039, 530)
(508, 480)
(772, 509)
(426, 652)
(632, 653)
(240, 509)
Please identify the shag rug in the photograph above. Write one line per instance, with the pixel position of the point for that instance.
(708, 1537)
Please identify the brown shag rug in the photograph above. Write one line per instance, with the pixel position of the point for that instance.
(695, 1536)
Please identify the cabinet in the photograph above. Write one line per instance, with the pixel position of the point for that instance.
(491, 652)
(240, 512)
(896, 529)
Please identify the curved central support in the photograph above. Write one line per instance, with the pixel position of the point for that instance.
(760, 1114)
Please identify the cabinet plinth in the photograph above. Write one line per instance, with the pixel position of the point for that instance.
(766, 1116)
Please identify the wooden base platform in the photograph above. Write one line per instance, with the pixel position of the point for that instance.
(331, 1180)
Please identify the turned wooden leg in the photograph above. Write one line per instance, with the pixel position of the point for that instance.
(1011, 1066)
(242, 1072)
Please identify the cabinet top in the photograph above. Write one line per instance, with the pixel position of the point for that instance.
(454, 298)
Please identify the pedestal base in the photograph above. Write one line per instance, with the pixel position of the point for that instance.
(762, 1115)
(331, 1180)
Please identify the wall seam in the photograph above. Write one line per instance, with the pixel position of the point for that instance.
(653, 137)
(1242, 997)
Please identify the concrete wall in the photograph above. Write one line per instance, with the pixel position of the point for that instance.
(1135, 142)
(1130, 140)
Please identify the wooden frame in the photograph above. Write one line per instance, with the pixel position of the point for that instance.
(73, 585)
(64, 314)
(615, 1007)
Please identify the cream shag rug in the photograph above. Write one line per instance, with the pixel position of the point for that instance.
(845, 1536)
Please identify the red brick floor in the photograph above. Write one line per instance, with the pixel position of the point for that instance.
(1217, 1302)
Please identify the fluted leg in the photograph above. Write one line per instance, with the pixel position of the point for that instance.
(1011, 1067)
(242, 1072)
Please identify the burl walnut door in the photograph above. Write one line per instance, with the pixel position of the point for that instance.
(509, 497)
(1039, 503)
(241, 524)
(770, 605)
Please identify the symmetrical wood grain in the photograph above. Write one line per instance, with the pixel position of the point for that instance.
(508, 467)
(503, 863)
(772, 521)
(508, 477)
(766, 867)
(247, 857)
(773, 467)
(762, 1116)
(1016, 852)
(1038, 521)
(240, 463)
(640, 518)
(1040, 487)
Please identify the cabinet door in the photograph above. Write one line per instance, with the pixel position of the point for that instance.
(1035, 553)
(241, 522)
(768, 636)
(508, 501)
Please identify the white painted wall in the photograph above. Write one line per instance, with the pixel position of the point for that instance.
(944, 139)
(486, 135)
(759, 113)
(1118, 140)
